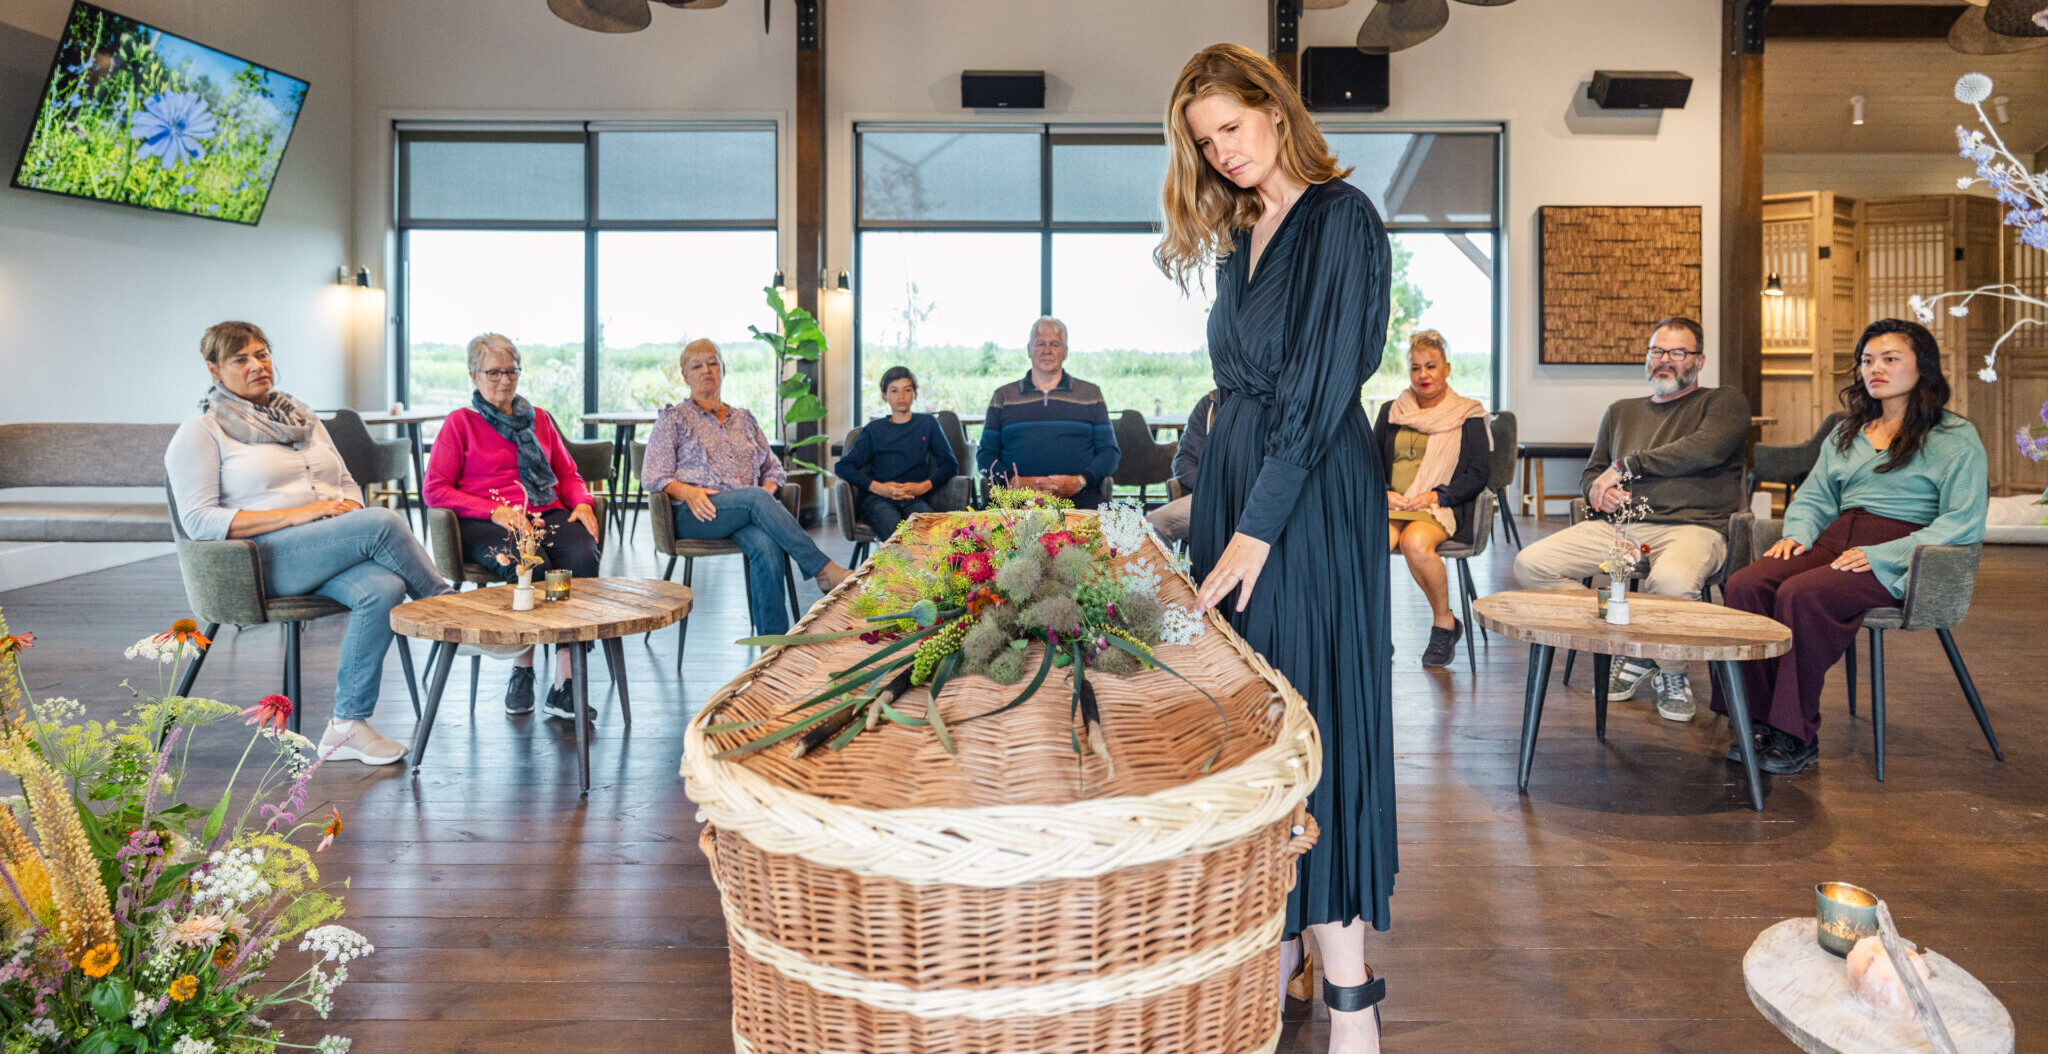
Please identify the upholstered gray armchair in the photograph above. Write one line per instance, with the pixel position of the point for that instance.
(1940, 580)
(957, 493)
(1463, 552)
(224, 584)
(661, 519)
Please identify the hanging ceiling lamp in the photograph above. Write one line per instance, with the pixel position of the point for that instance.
(1998, 27)
(604, 16)
(1396, 25)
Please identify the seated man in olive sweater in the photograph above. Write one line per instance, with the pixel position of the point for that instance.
(1049, 431)
(898, 459)
(1679, 451)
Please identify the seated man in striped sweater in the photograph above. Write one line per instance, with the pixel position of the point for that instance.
(1049, 431)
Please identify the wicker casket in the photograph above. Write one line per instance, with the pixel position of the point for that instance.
(1013, 895)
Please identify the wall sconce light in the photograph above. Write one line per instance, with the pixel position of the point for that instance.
(1774, 287)
(845, 283)
(1856, 109)
(360, 279)
(1998, 107)
(780, 285)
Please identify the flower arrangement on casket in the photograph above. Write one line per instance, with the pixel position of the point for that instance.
(132, 922)
(972, 604)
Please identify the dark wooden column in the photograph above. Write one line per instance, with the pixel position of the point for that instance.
(1742, 197)
(810, 206)
(1283, 30)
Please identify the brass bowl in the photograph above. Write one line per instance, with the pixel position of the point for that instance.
(1844, 914)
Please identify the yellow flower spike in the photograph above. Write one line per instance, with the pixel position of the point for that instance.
(31, 875)
(84, 917)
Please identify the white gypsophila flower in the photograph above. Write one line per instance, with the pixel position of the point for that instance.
(333, 1045)
(141, 1010)
(1179, 625)
(190, 1044)
(153, 650)
(1973, 88)
(1959, 310)
(1989, 375)
(1964, 182)
(336, 944)
(43, 1028)
(231, 877)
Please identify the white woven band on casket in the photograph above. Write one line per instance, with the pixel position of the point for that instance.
(987, 1004)
(1271, 1043)
(1000, 846)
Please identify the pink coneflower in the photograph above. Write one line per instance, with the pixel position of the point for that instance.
(273, 710)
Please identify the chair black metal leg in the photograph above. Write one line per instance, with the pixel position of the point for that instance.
(476, 669)
(412, 683)
(1465, 598)
(405, 506)
(1532, 708)
(291, 671)
(1877, 696)
(199, 659)
(1955, 662)
(1738, 714)
(1471, 590)
(683, 624)
(1507, 517)
(789, 580)
(1849, 669)
(1569, 656)
(615, 659)
(1603, 664)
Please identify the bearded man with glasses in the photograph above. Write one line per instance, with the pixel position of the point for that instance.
(1679, 451)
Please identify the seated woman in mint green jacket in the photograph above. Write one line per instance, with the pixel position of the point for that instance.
(1901, 471)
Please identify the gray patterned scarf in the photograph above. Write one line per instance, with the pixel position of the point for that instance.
(535, 474)
(285, 420)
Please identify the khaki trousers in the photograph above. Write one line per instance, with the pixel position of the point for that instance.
(1682, 557)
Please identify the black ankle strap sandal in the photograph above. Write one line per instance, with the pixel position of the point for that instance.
(1346, 998)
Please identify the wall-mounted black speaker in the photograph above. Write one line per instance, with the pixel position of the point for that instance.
(1340, 79)
(1640, 89)
(1002, 89)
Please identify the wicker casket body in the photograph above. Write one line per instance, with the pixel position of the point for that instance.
(891, 897)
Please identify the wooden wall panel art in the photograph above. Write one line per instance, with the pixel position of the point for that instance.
(1609, 271)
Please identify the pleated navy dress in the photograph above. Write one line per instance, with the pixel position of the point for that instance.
(1290, 461)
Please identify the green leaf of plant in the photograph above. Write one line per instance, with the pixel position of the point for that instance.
(846, 734)
(217, 817)
(811, 440)
(801, 463)
(1153, 660)
(110, 999)
(804, 409)
(781, 734)
(776, 640)
(794, 385)
(931, 709)
(102, 1042)
(893, 715)
(775, 300)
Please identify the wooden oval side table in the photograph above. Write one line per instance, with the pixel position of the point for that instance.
(1804, 991)
(1659, 628)
(598, 609)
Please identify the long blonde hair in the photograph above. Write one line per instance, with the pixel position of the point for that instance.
(1203, 209)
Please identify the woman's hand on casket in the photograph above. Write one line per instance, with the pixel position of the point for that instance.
(1238, 569)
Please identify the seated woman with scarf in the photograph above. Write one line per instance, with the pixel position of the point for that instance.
(498, 463)
(1437, 446)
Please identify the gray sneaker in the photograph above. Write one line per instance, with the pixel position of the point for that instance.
(1674, 697)
(1624, 676)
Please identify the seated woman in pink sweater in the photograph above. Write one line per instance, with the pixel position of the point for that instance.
(496, 463)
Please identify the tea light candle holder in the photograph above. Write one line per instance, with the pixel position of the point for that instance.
(558, 586)
(1844, 914)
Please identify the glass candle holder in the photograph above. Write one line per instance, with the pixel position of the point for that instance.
(558, 585)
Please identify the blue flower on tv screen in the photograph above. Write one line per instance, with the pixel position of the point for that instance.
(172, 125)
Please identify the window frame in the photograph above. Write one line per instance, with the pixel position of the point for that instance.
(588, 134)
(1051, 134)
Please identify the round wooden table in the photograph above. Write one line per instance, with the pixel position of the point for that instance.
(598, 609)
(1659, 628)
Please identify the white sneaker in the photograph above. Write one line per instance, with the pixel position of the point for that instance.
(1674, 697)
(357, 741)
(1624, 676)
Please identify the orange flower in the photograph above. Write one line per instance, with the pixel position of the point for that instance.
(101, 960)
(272, 710)
(184, 631)
(327, 833)
(16, 642)
(184, 988)
(224, 953)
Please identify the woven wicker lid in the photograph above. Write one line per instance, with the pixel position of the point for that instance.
(1015, 803)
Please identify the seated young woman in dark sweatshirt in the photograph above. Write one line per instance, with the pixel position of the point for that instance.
(897, 459)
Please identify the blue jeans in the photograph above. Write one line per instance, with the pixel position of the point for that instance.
(766, 533)
(883, 514)
(367, 559)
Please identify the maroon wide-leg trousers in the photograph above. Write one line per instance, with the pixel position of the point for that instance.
(1824, 607)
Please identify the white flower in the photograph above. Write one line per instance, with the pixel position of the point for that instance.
(1123, 526)
(1989, 375)
(333, 1045)
(141, 1010)
(151, 649)
(1179, 625)
(57, 710)
(1921, 309)
(231, 877)
(1964, 182)
(1959, 310)
(1973, 88)
(44, 1028)
(190, 1044)
(336, 944)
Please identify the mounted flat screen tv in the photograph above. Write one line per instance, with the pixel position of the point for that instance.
(137, 116)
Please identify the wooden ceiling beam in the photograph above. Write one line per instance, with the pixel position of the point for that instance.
(1860, 21)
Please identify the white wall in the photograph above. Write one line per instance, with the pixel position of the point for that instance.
(900, 59)
(1867, 175)
(101, 306)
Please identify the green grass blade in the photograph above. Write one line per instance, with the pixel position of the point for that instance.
(781, 734)
(1044, 667)
(931, 709)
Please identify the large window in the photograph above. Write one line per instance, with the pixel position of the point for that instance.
(630, 239)
(967, 233)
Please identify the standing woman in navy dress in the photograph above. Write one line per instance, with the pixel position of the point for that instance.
(1292, 524)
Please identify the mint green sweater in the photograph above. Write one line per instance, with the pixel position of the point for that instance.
(1946, 486)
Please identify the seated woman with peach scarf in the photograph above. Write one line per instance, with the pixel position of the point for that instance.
(1437, 448)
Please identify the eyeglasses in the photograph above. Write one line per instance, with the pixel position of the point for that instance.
(1676, 354)
(500, 375)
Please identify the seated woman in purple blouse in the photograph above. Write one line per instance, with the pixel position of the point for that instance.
(713, 461)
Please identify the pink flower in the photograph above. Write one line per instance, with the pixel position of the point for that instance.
(273, 710)
(201, 932)
(1054, 541)
(977, 568)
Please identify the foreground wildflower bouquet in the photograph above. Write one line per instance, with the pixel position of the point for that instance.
(996, 582)
(132, 922)
(1624, 553)
(522, 549)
